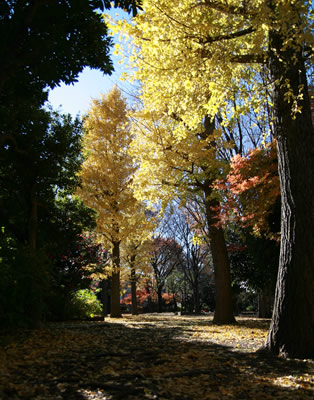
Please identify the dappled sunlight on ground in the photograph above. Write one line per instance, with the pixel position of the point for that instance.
(155, 356)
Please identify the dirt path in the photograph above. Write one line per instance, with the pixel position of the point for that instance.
(150, 357)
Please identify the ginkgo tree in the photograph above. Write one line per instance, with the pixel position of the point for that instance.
(190, 57)
(105, 179)
(182, 167)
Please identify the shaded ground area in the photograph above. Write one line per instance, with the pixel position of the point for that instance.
(150, 357)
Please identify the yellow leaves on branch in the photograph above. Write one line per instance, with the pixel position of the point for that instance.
(171, 157)
(195, 60)
(191, 56)
(183, 54)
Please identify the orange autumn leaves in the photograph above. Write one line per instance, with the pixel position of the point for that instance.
(250, 191)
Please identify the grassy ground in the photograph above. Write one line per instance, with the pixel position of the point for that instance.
(154, 356)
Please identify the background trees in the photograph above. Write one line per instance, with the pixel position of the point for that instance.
(39, 218)
(106, 176)
(136, 254)
(190, 123)
(165, 257)
(42, 162)
(251, 211)
(196, 259)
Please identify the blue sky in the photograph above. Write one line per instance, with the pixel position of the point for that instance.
(76, 98)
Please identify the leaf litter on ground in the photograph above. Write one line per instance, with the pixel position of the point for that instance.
(150, 356)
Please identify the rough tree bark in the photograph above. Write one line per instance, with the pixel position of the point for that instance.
(292, 327)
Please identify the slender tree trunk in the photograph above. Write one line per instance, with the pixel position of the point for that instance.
(196, 298)
(175, 304)
(115, 289)
(292, 327)
(104, 296)
(159, 292)
(133, 287)
(134, 298)
(149, 304)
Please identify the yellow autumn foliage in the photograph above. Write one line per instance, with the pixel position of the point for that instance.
(108, 171)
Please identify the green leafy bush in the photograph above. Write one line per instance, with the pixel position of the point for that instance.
(84, 304)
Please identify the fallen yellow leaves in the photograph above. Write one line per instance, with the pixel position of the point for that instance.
(156, 356)
(296, 382)
(236, 336)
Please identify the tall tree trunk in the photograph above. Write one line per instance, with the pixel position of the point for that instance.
(292, 326)
(115, 289)
(196, 298)
(133, 287)
(104, 283)
(134, 298)
(224, 305)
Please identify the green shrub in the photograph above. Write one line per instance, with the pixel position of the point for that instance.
(84, 304)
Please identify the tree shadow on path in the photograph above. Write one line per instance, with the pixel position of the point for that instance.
(153, 359)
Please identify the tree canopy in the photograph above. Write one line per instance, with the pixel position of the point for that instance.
(48, 42)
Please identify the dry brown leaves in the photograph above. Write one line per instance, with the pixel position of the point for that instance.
(150, 357)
